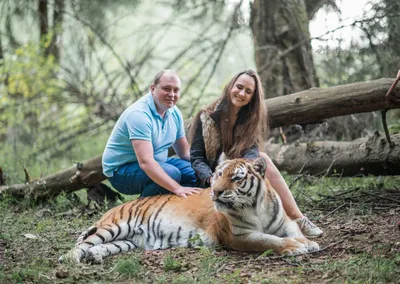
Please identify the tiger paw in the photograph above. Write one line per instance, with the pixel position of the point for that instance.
(292, 247)
(72, 257)
(94, 257)
(312, 246)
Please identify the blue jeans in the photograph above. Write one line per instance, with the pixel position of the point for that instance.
(131, 179)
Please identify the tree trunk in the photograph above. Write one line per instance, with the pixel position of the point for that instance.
(392, 44)
(308, 106)
(283, 52)
(1, 51)
(43, 20)
(371, 155)
(54, 47)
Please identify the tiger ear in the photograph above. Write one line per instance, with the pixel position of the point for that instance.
(260, 165)
(222, 158)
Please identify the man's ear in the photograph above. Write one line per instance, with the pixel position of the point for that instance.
(260, 165)
(222, 158)
(152, 87)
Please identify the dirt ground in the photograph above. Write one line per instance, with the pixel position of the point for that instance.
(346, 235)
(361, 244)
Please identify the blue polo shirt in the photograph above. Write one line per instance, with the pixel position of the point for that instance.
(141, 121)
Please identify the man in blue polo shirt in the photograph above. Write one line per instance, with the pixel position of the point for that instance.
(135, 159)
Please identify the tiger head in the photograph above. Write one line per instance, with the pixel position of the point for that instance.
(238, 183)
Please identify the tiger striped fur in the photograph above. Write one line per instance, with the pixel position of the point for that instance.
(244, 213)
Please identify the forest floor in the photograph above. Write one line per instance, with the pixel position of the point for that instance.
(361, 244)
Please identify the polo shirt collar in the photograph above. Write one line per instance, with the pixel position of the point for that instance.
(153, 108)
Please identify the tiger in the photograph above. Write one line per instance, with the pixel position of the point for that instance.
(240, 211)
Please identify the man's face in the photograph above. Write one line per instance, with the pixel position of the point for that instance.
(167, 92)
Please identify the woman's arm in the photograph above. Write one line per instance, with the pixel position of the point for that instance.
(252, 152)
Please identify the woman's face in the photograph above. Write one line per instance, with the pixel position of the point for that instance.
(242, 91)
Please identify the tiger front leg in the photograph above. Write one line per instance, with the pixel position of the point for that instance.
(260, 242)
(292, 230)
(97, 253)
(73, 256)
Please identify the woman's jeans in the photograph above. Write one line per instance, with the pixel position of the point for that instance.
(131, 179)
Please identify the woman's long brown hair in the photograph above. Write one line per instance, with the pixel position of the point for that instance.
(251, 125)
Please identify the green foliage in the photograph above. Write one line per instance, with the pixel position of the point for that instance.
(28, 87)
(171, 264)
(394, 127)
(196, 240)
(209, 263)
(362, 268)
(30, 73)
(267, 253)
(343, 65)
(233, 277)
(129, 267)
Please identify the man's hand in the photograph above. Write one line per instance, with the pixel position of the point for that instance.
(185, 191)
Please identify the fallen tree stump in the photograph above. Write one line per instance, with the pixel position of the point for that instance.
(82, 175)
(367, 156)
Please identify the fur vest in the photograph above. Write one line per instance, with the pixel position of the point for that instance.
(211, 136)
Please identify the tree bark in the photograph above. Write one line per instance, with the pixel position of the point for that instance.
(316, 104)
(283, 52)
(54, 46)
(43, 19)
(371, 155)
(313, 6)
(305, 107)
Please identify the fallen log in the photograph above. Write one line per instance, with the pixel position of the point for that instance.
(309, 106)
(368, 156)
(82, 175)
(317, 104)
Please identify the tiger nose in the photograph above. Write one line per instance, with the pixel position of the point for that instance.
(216, 194)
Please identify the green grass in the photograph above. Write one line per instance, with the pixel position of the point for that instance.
(171, 264)
(363, 268)
(130, 267)
(57, 224)
(310, 192)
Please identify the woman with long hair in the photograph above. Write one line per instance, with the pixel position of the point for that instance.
(236, 124)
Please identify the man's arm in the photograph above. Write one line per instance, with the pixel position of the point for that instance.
(181, 147)
(144, 153)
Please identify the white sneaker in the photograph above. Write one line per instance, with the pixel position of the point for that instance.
(308, 228)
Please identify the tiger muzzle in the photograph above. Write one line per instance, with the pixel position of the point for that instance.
(216, 193)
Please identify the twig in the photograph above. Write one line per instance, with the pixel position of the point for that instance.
(383, 112)
(329, 168)
(283, 135)
(326, 248)
(220, 269)
(27, 176)
(296, 178)
(383, 197)
(283, 256)
(385, 127)
(292, 263)
(393, 85)
(336, 209)
(340, 194)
